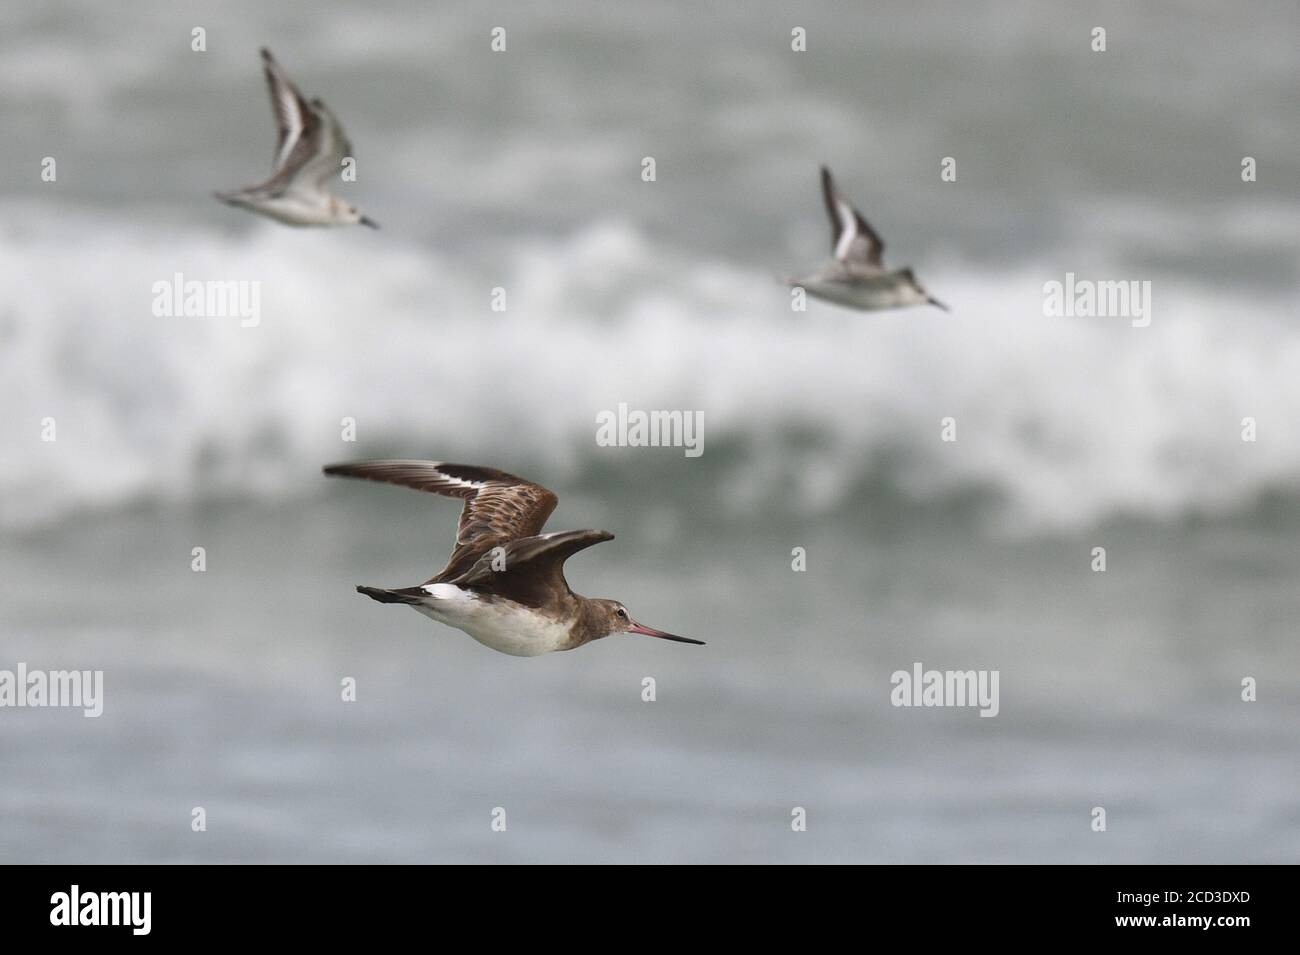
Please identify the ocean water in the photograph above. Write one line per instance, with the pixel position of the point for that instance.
(521, 170)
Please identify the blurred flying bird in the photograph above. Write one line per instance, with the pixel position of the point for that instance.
(855, 276)
(308, 153)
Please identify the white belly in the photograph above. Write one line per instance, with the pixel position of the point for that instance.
(504, 626)
(855, 295)
(291, 209)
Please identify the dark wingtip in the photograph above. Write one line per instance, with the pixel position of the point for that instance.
(266, 55)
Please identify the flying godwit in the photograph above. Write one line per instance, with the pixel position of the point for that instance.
(308, 153)
(504, 583)
(856, 276)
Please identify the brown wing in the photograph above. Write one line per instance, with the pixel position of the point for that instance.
(852, 238)
(499, 507)
(530, 570)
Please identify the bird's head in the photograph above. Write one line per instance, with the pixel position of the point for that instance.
(917, 295)
(612, 617)
(351, 215)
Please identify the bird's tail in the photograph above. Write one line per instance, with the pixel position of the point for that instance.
(404, 595)
(235, 197)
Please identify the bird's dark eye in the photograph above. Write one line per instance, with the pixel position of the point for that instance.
(622, 613)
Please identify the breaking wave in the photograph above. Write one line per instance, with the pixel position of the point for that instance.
(1062, 422)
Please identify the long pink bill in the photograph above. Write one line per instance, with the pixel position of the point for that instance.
(652, 632)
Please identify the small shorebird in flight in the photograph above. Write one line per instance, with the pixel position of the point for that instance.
(308, 153)
(856, 276)
(504, 583)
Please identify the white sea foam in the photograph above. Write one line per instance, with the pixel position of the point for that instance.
(1068, 419)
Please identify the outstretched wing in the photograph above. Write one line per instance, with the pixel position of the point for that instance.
(295, 120)
(499, 507)
(530, 570)
(853, 241)
(326, 162)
